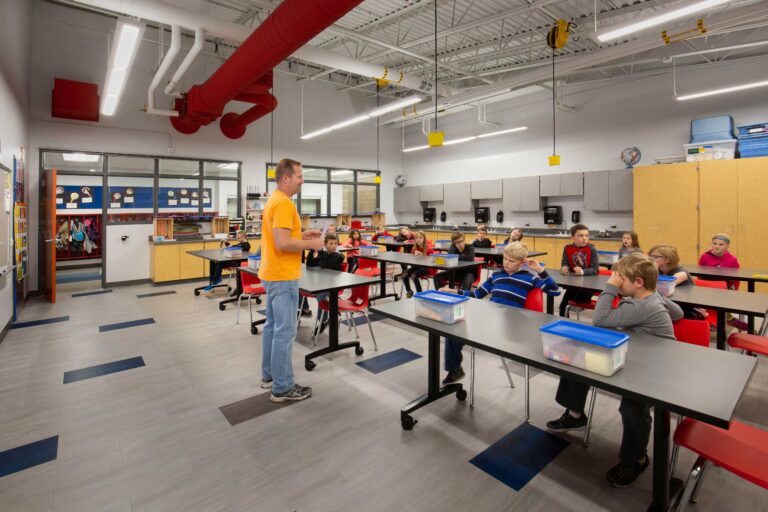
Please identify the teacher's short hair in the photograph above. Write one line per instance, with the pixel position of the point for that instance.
(285, 168)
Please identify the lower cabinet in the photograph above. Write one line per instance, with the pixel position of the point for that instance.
(191, 267)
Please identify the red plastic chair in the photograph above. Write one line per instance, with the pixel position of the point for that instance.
(356, 303)
(741, 450)
(251, 288)
(578, 307)
(749, 343)
(711, 313)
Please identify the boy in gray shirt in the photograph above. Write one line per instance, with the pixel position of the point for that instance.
(642, 310)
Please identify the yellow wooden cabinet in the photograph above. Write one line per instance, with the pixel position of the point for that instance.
(605, 245)
(544, 244)
(164, 262)
(191, 267)
(753, 214)
(719, 201)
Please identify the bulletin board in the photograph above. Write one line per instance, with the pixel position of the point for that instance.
(6, 202)
(21, 239)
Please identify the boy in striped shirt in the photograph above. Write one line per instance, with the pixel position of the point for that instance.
(510, 287)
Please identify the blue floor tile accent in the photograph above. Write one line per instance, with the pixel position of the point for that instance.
(32, 323)
(103, 369)
(85, 294)
(520, 455)
(360, 320)
(125, 325)
(388, 361)
(76, 278)
(155, 294)
(28, 455)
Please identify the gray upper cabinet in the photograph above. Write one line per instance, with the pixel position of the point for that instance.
(457, 197)
(569, 184)
(521, 194)
(406, 200)
(608, 191)
(487, 189)
(431, 193)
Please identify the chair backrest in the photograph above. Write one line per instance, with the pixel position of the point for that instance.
(535, 300)
(345, 266)
(695, 332)
(710, 284)
(366, 263)
(360, 295)
(247, 279)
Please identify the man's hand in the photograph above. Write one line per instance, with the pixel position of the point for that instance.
(315, 244)
(310, 234)
(578, 271)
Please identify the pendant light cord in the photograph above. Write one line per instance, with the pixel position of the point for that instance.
(554, 152)
(378, 125)
(434, 89)
(272, 130)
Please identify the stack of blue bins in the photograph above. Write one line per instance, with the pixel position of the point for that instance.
(753, 140)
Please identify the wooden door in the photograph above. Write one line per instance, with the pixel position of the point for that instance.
(718, 201)
(48, 233)
(665, 207)
(753, 214)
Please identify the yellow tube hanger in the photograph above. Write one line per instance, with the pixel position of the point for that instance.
(558, 35)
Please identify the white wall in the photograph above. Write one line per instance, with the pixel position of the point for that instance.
(128, 260)
(73, 44)
(610, 116)
(15, 33)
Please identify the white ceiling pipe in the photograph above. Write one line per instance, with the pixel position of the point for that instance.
(173, 50)
(171, 15)
(608, 54)
(197, 47)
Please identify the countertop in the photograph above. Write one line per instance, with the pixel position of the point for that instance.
(533, 232)
(198, 240)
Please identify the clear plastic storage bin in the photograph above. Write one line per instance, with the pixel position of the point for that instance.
(369, 250)
(443, 307)
(608, 256)
(386, 239)
(584, 346)
(234, 252)
(441, 244)
(715, 150)
(366, 236)
(254, 262)
(666, 285)
(446, 260)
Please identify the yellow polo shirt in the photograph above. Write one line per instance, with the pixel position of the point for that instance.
(280, 212)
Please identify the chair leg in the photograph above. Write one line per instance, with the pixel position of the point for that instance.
(506, 370)
(370, 328)
(589, 416)
(527, 394)
(697, 487)
(318, 323)
(250, 309)
(472, 377)
(675, 450)
(352, 322)
(691, 483)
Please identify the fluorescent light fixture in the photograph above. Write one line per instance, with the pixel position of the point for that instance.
(125, 45)
(725, 90)
(232, 166)
(459, 141)
(664, 17)
(397, 105)
(415, 148)
(80, 157)
(502, 132)
(93, 170)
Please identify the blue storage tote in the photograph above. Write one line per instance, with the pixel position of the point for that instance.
(709, 129)
(753, 140)
(608, 256)
(443, 307)
(585, 346)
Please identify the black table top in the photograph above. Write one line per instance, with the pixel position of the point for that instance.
(318, 280)
(702, 383)
(696, 296)
(422, 261)
(394, 244)
(494, 251)
(736, 274)
(220, 255)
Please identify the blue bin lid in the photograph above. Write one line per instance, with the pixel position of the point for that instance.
(369, 247)
(446, 255)
(233, 248)
(667, 279)
(441, 297)
(608, 252)
(254, 257)
(586, 333)
(442, 240)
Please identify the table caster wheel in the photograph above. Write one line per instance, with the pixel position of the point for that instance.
(254, 330)
(397, 297)
(408, 422)
(309, 365)
(461, 394)
(197, 292)
(359, 350)
(222, 307)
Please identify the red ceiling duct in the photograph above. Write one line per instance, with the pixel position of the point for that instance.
(289, 27)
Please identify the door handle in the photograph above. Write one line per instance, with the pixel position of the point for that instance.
(49, 241)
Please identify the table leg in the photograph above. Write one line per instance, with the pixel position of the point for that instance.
(751, 318)
(550, 304)
(721, 316)
(664, 490)
(434, 391)
(333, 335)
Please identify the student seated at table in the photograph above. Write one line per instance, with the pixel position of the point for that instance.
(355, 240)
(482, 241)
(641, 310)
(380, 231)
(420, 248)
(508, 286)
(466, 253)
(405, 235)
(242, 242)
(719, 256)
(668, 261)
(516, 235)
(328, 257)
(580, 258)
(629, 244)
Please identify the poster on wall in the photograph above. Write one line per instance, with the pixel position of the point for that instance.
(130, 197)
(179, 197)
(7, 193)
(72, 197)
(18, 162)
(20, 238)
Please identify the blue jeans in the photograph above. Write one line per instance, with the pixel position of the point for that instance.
(279, 333)
(453, 355)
